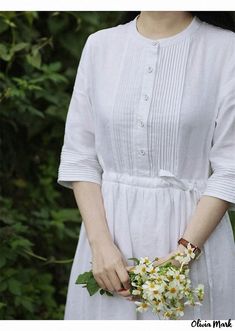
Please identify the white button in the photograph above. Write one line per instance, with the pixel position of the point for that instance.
(155, 43)
(150, 69)
(142, 152)
(146, 97)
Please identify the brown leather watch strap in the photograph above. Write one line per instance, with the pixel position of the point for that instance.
(185, 242)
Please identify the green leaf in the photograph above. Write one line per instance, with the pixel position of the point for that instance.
(4, 55)
(102, 292)
(66, 214)
(14, 286)
(84, 277)
(2, 261)
(3, 26)
(134, 259)
(21, 242)
(19, 46)
(92, 286)
(2, 304)
(3, 286)
(10, 23)
(88, 279)
(27, 304)
(34, 60)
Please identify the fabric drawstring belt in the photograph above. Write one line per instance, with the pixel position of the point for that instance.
(165, 178)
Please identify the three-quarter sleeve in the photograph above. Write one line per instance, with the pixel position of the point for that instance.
(221, 183)
(78, 158)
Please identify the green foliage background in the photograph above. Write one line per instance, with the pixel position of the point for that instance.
(39, 220)
(39, 54)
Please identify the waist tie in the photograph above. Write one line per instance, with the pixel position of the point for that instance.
(165, 178)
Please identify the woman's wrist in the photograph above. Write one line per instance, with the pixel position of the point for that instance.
(100, 241)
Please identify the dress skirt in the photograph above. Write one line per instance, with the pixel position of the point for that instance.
(146, 217)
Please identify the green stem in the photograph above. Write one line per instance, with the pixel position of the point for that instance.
(47, 260)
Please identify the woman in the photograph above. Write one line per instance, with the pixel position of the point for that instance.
(149, 151)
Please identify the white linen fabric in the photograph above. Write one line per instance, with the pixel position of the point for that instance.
(153, 122)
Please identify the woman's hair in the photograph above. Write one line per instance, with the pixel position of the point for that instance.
(223, 19)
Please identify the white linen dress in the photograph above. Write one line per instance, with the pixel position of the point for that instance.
(153, 122)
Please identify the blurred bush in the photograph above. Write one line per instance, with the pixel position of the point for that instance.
(39, 220)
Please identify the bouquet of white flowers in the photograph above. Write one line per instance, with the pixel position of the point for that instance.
(165, 288)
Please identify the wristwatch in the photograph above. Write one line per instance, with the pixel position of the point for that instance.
(196, 250)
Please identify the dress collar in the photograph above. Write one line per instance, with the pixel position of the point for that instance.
(192, 27)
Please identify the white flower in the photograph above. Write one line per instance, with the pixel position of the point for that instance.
(178, 275)
(170, 272)
(188, 282)
(153, 293)
(140, 269)
(179, 311)
(150, 269)
(172, 290)
(144, 260)
(183, 259)
(136, 292)
(134, 284)
(142, 306)
(153, 290)
(199, 291)
(157, 289)
(186, 272)
(200, 287)
(158, 306)
(186, 292)
(157, 295)
(189, 251)
(159, 278)
(149, 285)
(161, 287)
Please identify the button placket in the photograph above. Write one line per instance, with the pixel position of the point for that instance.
(155, 43)
(146, 97)
(140, 132)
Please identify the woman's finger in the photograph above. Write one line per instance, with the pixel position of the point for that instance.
(114, 279)
(100, 282)
(124, 293)
(123, 276)
(130, 267)
(159, 261)
(107, 283)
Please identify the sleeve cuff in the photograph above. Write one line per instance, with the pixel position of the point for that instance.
(85, 169)
(67, 182)
(222, 187)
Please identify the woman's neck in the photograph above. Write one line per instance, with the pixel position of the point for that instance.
(162, 24)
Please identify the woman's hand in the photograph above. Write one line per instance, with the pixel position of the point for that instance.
(164, 260)
(167, 259)
(109, 267)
